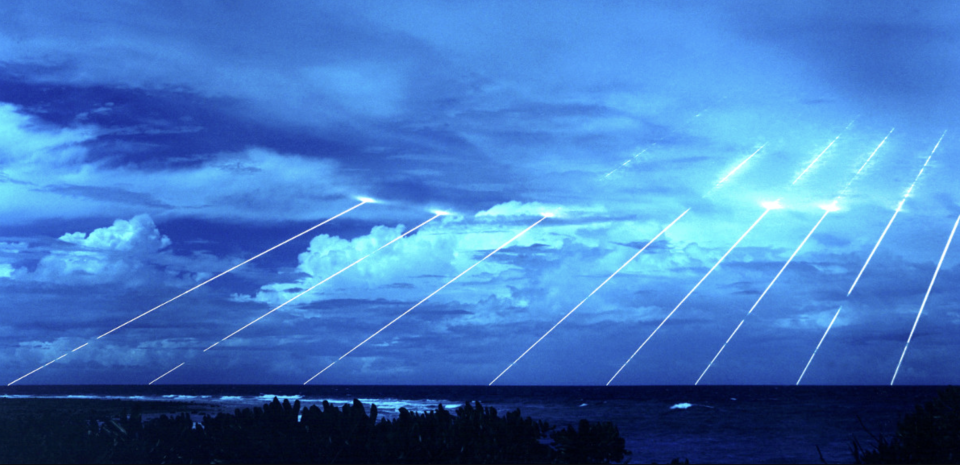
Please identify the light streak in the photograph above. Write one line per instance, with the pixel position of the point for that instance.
(325, 280)
(78, 348)
(625, 163)
(818, 157)
(925, 297)
(740, 165)
(827, 210)
(875, 151)
(590, 295)
(895, 213)
(735, 244)
(521, 233)
(165, 374)
(818, 345)
(198, 286)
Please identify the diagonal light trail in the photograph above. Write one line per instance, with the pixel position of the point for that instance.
(774, 205)
(625, 163)
(925, 297)
(744, 162)
(827, 210)
(835, 315)
(816, 159)
(198, 286)
(165, 374)
(521, 233)
(590, 295)
(411, 230)
(875, 151)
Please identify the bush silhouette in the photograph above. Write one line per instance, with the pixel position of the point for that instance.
(931, 434)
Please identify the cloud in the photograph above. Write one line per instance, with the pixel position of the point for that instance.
(112, 254)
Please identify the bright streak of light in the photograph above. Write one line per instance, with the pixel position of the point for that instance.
(165, 374)
(818, 157)
(625, 163)
(325, 280)
(590, 295)
(198, 286)
(775, 278)
(775, 205)
(366, 200)
(818, 345)
(744, 162)
(735, 244)
(925, 297)
(78, 348)
(875, 151)
(521, 233)
(895, 213)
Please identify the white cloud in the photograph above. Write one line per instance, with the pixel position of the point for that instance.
(6, 270)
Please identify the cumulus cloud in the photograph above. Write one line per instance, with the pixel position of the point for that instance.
(111, 254)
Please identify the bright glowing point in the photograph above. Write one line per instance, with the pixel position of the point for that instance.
(735, 244)
(198, 286)
(590, 295)
(831, 207)
(521, 233)
(366, 200)
(547, 215)
(325, 280)
(784, 267)
(774, 205)
(925, 297)
(440, 212)
(818, 345)
(741, 164)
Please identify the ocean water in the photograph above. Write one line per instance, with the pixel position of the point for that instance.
(705, 424)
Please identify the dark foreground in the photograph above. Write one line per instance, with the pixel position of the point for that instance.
(116, 431)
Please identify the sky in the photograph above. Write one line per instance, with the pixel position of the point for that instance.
(146, 147)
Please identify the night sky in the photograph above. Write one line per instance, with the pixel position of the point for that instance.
(148, 146)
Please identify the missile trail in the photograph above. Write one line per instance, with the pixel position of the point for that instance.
(826, 212)
(625, 163)
(278, 307)
(165, 374)
(313, 287)
(925, 297)
(590, 295)
(775, 205)
(895, 213)
(816, 159)
(198, 286)
(740, 165)
(818, 345)
(521, 233)
(874, 152)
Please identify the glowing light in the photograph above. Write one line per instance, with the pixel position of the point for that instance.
(775, 278)
(440, 212)
(78, 348)
(735, 244)
(895, 213)
(818, 156)
(521, 233)
(198, 286)
(874, 151)
(324, 281)
(831, 207)
(818, 345)
(547, 215)
(165, 374)
(744, 162)
(625, 163)
(774, 205)
(925, 297)
(366, 200)
(590, 295)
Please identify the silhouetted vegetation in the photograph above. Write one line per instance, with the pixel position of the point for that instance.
(931, 434)
(285, 433)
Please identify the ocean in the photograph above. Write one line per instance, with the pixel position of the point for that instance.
(704, 424)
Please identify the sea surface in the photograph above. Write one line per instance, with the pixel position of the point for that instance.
(705, 424)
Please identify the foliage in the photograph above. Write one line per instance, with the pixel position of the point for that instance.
(285, 433)
(931, 434)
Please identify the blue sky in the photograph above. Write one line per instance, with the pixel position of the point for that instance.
(145, 148)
